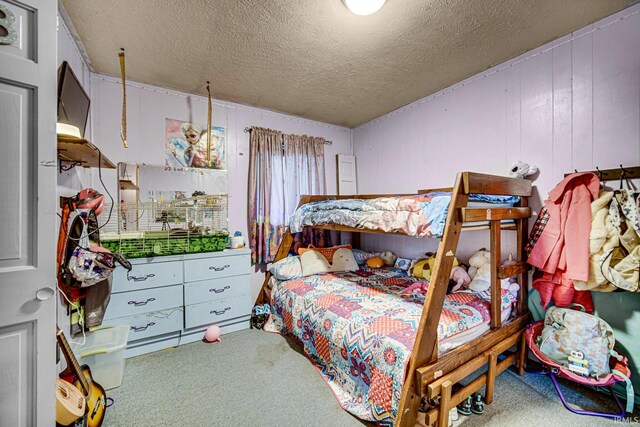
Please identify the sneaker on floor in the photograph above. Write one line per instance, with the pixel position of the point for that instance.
(477, 405)
(453, 415)
(464, 408)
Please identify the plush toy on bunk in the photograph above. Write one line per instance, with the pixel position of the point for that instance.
(170, 227)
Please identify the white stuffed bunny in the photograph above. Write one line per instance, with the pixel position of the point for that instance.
(521, 169)
(388, 257)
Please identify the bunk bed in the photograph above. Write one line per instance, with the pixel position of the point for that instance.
(432, 376)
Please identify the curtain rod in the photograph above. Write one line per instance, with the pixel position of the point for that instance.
(248, 130)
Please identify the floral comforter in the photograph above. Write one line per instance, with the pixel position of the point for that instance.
(359, 329)
(422, 215)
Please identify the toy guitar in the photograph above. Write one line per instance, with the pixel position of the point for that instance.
(70, 403)
(81, 377)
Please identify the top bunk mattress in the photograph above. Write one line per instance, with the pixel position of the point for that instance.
(420, 215)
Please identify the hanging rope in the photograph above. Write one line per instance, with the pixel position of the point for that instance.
(210, 111)
(123, 124)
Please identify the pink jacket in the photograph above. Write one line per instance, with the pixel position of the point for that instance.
(564, 242)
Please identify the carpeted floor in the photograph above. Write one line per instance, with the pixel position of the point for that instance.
(254, 378)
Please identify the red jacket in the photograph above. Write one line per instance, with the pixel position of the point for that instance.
(564, 242)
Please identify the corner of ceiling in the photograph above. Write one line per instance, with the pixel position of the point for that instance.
(62, 13)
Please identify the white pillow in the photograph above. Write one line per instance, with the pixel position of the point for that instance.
(287, 268)
(313, 262)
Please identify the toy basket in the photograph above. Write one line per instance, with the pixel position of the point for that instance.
(172, 227)
(619, 368)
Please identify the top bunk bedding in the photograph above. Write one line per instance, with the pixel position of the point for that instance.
(421, 215)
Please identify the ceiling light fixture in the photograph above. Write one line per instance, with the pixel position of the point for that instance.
(364, 7)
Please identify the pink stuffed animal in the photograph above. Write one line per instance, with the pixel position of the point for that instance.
(460, 276)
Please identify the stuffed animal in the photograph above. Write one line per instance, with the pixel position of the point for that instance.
(375, 262)
(388, 257)
(521, 169)
(480, 271)
(460, 277)
(423, 267)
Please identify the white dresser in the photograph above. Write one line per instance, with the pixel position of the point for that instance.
(171, 300)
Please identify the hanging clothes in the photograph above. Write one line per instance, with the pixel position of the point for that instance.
(562, 250)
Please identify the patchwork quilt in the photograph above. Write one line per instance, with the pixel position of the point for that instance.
(422, 215)
(359, 328)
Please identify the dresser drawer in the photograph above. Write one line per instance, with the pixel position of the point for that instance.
(144, 276)
(136, 302)
(215, 289)
(151, 324)
(213, 268)
(216, 311)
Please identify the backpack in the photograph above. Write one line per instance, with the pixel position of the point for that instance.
(569, 332)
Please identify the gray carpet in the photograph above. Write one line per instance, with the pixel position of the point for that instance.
(254, 378)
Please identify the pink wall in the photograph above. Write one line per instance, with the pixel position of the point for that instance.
(571, 104)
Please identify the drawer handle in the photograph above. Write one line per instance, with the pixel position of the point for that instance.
(219, 291)
(219, 312)
(142, 328)
(139, 303)
(140, 278)
(219, 268)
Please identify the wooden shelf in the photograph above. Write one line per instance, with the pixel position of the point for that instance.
(127, 184)
(81, 152)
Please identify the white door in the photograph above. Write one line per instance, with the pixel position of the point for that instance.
(27, 212)
(347, 174)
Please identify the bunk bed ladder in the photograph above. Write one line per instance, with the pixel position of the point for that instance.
(425, 350)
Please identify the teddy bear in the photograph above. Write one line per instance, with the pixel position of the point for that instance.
(480, 273)
(521, 169)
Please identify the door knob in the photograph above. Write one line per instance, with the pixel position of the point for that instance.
(44, 294)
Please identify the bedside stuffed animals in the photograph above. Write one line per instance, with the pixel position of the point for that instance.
(521, 169)
(480, 272)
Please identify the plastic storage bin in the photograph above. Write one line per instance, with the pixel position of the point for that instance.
(103, 351)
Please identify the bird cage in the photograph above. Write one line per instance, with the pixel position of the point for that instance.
(167, 227)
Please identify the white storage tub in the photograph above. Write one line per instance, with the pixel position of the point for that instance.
(103, 351)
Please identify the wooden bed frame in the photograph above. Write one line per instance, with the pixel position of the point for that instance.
(430, 377)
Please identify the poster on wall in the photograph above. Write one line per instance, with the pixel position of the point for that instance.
(186, 145)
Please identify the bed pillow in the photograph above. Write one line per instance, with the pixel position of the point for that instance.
(287, 268)
(314, 262)
(402, 263)
(362, 256)
(327, 252)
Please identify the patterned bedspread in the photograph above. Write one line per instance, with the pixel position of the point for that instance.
(422, 215)
(359, 329)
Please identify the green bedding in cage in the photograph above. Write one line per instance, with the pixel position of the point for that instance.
(160, 243)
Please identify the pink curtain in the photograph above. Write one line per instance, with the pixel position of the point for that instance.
(281, 169)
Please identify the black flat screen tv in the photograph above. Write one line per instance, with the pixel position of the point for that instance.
(73, 101)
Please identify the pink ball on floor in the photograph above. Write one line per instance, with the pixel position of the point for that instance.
(212, 333)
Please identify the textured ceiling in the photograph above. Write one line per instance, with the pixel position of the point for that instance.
(314, 58)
